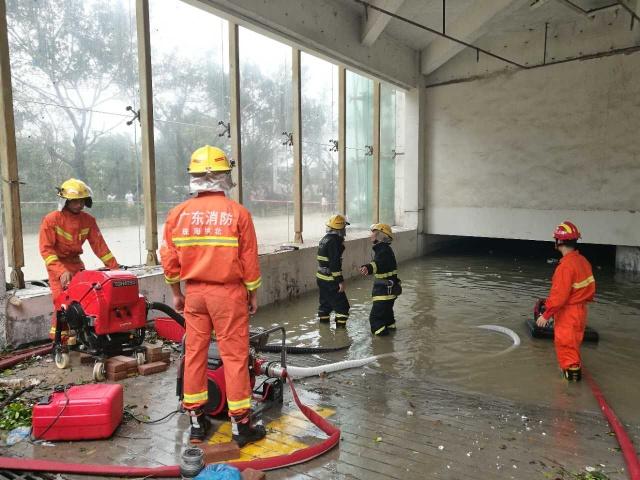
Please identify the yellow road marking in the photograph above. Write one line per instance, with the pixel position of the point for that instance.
(283, 435)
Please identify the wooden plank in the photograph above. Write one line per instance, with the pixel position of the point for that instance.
(234, 95)
(342, 140)
(146, 124)
(296, 88)
(9, 161)
(376, 152)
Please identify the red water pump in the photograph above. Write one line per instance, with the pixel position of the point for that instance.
(269, 392)
(108, 314)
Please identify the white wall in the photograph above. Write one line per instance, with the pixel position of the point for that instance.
(513, 154)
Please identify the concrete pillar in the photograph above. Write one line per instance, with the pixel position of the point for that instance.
(628, 258)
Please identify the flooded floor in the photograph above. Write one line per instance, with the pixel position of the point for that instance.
(450, 402)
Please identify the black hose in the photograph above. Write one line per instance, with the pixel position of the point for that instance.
(302, 350)
(161, 307)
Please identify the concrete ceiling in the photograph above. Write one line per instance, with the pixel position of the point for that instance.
(470, 20)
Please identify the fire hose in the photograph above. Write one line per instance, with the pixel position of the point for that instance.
(271, 463)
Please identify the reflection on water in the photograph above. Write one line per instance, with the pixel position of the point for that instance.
(447, 296)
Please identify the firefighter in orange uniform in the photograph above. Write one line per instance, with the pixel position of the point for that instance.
(210, 244)
(62, 234)
(572, 287)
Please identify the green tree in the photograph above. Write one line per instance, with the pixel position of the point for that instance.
(69, 58)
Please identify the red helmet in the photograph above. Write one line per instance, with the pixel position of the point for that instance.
(566, 231)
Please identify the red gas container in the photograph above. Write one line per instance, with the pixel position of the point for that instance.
(83, 412)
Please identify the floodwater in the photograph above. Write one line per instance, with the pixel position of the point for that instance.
(447, 296)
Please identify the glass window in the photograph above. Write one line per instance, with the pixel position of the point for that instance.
(189, 54)
(319, 154)
(267, 156)
(74, 75)
(359, 125)
(387, 154)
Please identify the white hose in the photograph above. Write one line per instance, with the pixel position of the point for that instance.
(506, 331)
(300, 372)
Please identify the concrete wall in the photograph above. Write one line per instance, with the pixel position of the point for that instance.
(284, 275)
(513, 154)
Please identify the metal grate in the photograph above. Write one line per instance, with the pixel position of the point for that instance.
(16, 475)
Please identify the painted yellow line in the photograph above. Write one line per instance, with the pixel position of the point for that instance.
(283, 435)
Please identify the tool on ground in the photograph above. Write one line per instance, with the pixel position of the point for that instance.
(107, 313)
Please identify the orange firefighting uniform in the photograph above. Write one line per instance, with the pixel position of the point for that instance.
(572, 287)
(210, 243)
(62, 234)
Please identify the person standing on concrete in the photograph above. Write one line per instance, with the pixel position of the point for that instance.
(329, 275)
(572, 287)
(62, 234)
(386, 286)
(210, 243)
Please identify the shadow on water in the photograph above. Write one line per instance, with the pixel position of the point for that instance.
(448, 294)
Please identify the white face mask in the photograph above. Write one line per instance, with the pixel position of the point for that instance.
(211, 182)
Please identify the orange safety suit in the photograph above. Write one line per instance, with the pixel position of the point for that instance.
(62, 234)
(210, 243)
(572, 287)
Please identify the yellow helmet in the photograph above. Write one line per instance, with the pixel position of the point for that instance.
(382, 227)
(209, 159)
(74, 189)
(337, 222)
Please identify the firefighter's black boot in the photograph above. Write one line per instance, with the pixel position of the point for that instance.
(243, 432)
(324, 318)
(199, 426)
(573, 373)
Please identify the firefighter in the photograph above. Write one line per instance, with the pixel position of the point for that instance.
(386, 286)
(329, 275)
(572, 287)
(62, 234)
(210, 244)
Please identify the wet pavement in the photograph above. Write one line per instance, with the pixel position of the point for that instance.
(449, 403)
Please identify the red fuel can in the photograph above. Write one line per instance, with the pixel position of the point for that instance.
(82, 412)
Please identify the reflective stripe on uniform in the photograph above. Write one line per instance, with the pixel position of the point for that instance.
(584, 283)
(64, 234)
(385, 275)
(380, 330)
(393, 325)
(324, 259)
(253, 285)
(379, 298)
(324, 277)
(211, 241)
(374, 266)
(196, 397)
(336, 274)
(64, 333)
(106, 257)
(50, 259)
(239, 404)
(171, 280)
(342, 315)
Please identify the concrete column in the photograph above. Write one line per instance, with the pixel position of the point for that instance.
(146, 124)
(234, 95)
(9, 160)
(628, 258)
(297, 144)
